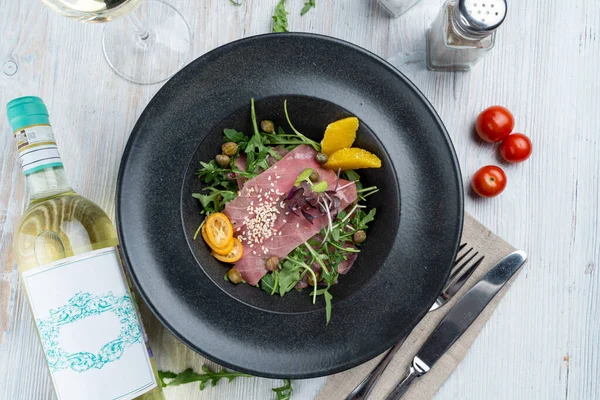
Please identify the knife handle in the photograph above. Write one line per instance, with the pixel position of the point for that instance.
(404, 384)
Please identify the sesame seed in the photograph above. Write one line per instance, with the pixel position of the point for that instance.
(279, 233)
(254, 252)
(269, 178)
(297, 225)
(284, 221)
(274, 166)
(272, 184)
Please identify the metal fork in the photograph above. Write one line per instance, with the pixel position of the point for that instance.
(464, 265)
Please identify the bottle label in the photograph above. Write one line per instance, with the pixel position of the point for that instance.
(89, 328)
(37, 148)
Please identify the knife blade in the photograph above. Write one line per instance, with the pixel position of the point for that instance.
(459, 318)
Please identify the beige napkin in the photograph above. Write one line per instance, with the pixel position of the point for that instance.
(340, 385)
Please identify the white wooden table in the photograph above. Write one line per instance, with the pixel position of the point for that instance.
(544, 338)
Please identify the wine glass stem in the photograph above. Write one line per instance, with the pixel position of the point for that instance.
(138, 27)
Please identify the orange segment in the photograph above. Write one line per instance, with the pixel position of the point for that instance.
(234, 255)
(220, 250)
(339, 135)
(353, 158)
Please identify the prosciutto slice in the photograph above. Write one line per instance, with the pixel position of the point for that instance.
(261, 219)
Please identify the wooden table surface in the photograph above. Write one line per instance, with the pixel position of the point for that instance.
(544, 338)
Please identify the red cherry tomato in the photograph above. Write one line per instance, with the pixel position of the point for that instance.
(494, 124)
(515, 148)
(489, 181)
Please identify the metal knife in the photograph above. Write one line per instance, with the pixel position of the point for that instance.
(458, 319)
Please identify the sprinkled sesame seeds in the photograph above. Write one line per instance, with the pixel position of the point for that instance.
(269, 178)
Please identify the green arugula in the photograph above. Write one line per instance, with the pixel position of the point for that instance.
(284, 392)
(189, 376)
(235, 3)
(280, 21)
(307, 6)
(168, 378)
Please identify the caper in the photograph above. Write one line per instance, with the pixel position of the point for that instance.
(311, 282)
(314, 176)
(229, 148)
(234, 276)
(222, 160)
(321, 158)
(272, 263)
(267, 126)
(359, 236)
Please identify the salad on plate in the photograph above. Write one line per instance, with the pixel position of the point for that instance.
(288, 212)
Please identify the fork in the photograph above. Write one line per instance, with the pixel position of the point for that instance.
(462, 269)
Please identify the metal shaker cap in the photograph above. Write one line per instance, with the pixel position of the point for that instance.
(480, 17)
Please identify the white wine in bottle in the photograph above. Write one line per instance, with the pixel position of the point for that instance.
(66, 252)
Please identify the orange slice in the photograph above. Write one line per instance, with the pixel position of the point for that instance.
(353, 158)
(339, 135)
(234, 255)
(220, 250)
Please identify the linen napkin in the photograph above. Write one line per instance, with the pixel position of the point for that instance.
(338, 386)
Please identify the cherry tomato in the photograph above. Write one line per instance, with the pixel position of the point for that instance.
(489, 181)
(515, 148)
(494, 124)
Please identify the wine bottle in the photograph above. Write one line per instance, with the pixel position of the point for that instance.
(66, 249)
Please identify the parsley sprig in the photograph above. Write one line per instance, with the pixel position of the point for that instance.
(307, 6)
(284, 392)
(280, 21)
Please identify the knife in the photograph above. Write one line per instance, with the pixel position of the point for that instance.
(458, 319)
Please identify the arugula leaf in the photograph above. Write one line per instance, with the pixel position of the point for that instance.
(289, 275)
(214, 201)
(189, 376)
(236, 137)
(307, 6)
(268, 283)
(280, 21)
(351, 175)
(235, 3)
(314, 144)
(284, 392)
(328, 297)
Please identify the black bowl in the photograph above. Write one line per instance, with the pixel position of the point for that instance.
(411, 243)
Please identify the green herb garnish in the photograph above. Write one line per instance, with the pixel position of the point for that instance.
(307, 6)
(189, 376)
(284, 392)
(280, 21)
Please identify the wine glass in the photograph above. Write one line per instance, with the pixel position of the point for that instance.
(148, 45)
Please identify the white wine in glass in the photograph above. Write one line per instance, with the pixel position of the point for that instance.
(149, 45)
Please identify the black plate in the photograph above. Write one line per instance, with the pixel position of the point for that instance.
(411, 243)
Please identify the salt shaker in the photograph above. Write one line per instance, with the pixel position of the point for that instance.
(462, 33)
(398, 7)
